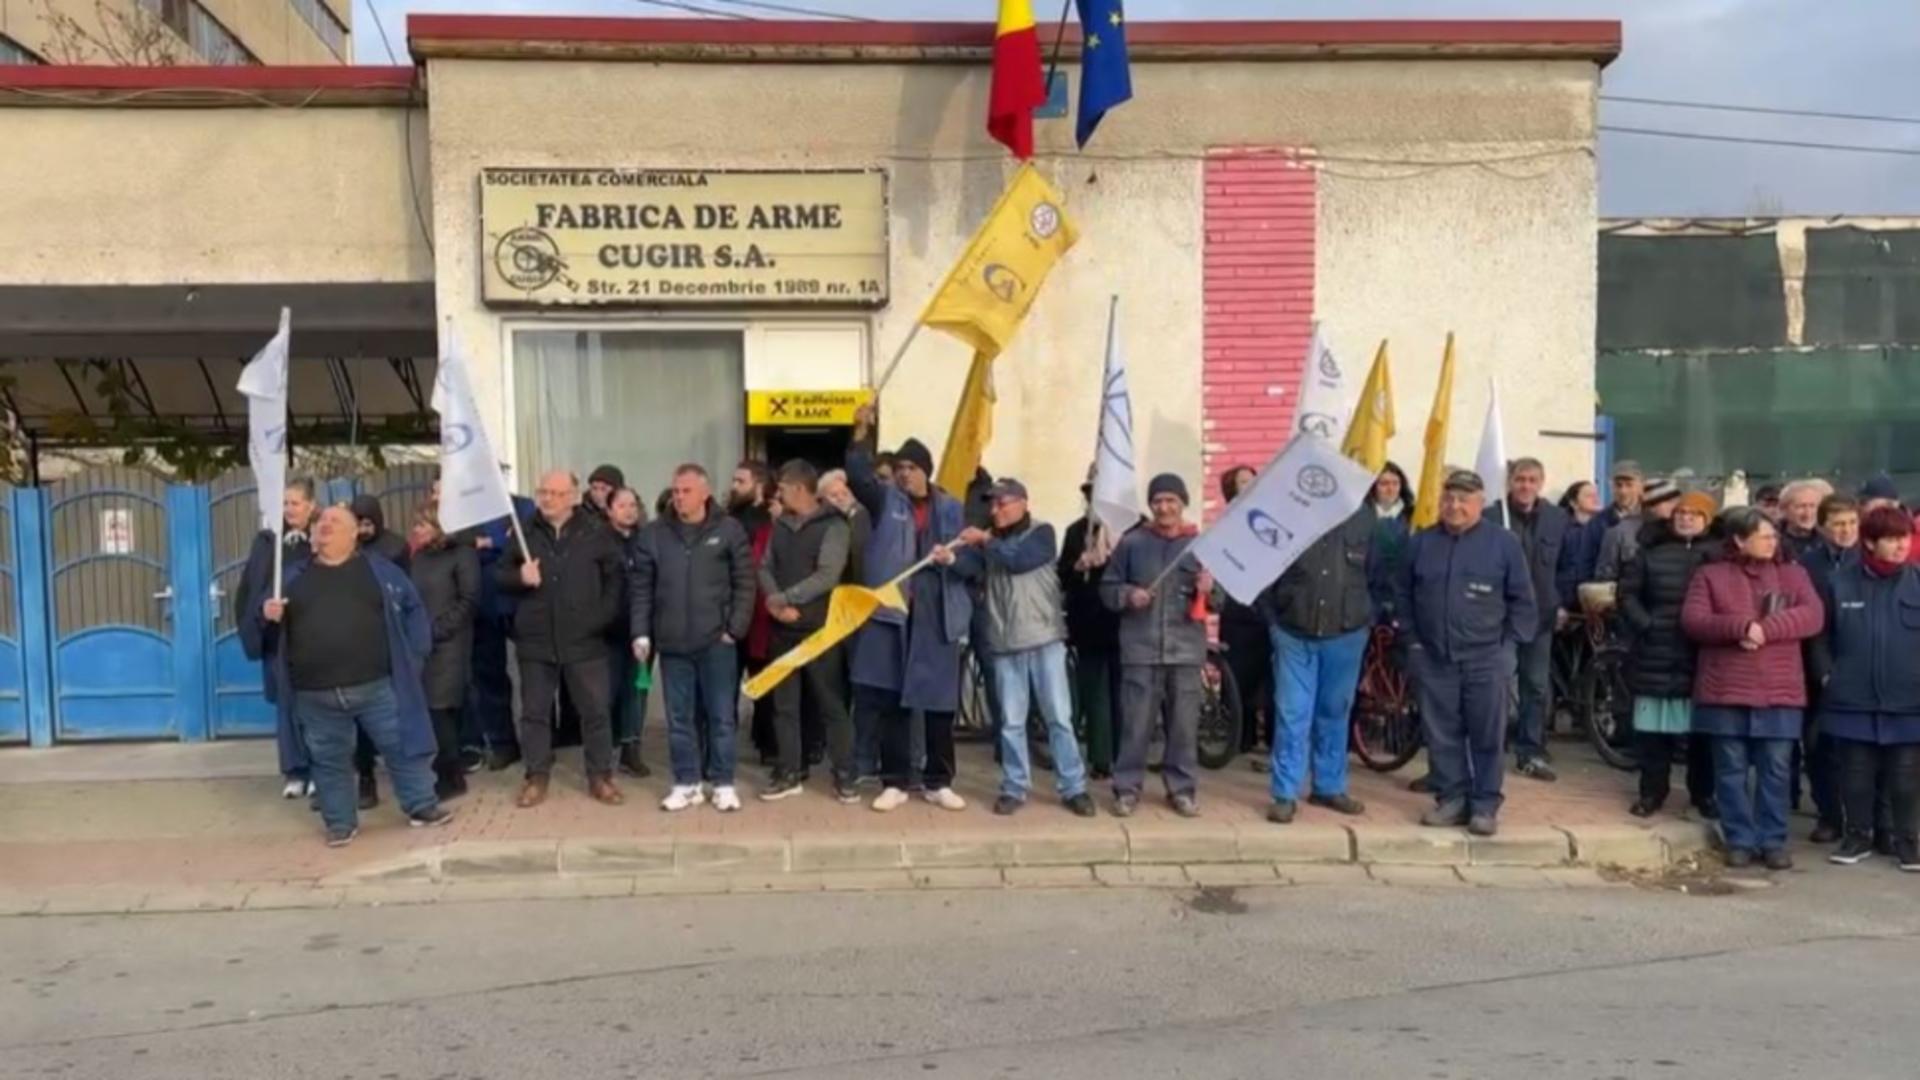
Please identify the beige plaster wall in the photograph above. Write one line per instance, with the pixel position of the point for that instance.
(270, 28)
(161, 196)
(1501, 252)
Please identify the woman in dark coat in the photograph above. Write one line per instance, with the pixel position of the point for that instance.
(625, 515)
(447, 576)
(1748, 613)
(256, 583)
(1243, 631)
(1868, 666)
(1391, 501)
(1661, 658)
(1094, 633)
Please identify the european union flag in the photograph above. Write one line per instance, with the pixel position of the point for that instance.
(1105, 78)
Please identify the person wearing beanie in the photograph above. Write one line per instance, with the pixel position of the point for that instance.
(1748, 614)
(1617, 547)
(1660, 657)
(602, 482)
(1870, 689)
(1542, 529)
(1877, 492)
(1464, 603)
(905, 664)
(1159, 595)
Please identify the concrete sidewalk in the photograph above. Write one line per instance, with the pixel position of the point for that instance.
(92, 829)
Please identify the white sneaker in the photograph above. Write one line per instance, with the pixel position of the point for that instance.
(946, 799)
(726, 799)
(682, 797)
(294, 789)
(890, 799)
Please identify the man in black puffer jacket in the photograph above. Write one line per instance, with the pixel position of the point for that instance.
(692, 591)
(1660, 665)
(569, 593)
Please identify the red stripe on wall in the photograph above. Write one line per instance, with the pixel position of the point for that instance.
(1257, 289)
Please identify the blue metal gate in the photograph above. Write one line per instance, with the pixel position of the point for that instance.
(13, 667)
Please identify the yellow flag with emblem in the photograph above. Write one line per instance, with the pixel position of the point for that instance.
(1372, 426)
(988, 292)
(1426, 508)
(848, 609)
(972, 429)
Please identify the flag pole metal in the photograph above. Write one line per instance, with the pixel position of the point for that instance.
(513, 518)
(899, 354)
(1059, 38)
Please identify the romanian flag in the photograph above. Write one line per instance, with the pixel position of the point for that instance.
(1372, 426)
(972, 429)
(1019, 85)
(1426, 508)
(987, 293)
(847, 610)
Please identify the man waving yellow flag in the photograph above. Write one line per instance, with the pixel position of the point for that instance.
(848, 608)
(1426, 508)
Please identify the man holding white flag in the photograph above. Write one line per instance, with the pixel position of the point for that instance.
(1307, 490)
(1326, 401)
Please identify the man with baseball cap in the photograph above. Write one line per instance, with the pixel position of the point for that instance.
(1026, 644)
(1466, 600)
(1627, 479)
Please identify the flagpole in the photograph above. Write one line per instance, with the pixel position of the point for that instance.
(899, 354)
(1059, 38)
(513, 518)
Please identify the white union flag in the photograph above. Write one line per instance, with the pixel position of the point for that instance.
(1325, 407)
(1302, 494)
(472, 490)
(264, 382)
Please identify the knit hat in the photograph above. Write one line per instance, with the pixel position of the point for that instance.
(916, 453)
(1880, 487)
(1168, 484)
(609, 475)
(1885, 522)
(1659, 491)
(1697, 502)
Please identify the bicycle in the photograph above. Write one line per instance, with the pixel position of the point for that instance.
(1385, 730)
(1604, 702)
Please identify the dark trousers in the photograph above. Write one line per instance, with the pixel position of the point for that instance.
(1657, 753)
(1821, 753)
(586, 683)
(1534, 666)
(1871, 773)
(1250, 658)
(1097, 677)
(363, 754)
(760, 727)
(629, 708)
(489, 713)
(1165, 697)
(813, 696)
(896, 722)
(1463, 707)
(446, 736)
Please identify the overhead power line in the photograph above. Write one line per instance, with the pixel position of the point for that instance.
(676, 5)
(1761, 110)
(793, 9)
(1852, 148)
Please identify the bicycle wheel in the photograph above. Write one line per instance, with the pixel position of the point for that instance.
(1218, 741)
(1386, 732)
(1607, 705)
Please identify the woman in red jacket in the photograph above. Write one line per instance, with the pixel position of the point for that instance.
(1749, 613)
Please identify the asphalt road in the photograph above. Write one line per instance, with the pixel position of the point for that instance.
(1819, 976)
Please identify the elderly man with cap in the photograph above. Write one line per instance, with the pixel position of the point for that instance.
(1466, 599)
(1622, 542)
(1026, 646)
(1160, 595)
(903, 663)
(1627, 479)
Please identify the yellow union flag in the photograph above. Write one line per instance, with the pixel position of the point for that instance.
(972, 429)
(1426, 507)
(1372, 426)
(847, 610)
(988, 292)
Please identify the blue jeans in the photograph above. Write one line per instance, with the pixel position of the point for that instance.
(329, 718)
(1038, 673)
(703, 693)
(1463, 710)
(1534, 661)
(1756, 822)
(1314, 680)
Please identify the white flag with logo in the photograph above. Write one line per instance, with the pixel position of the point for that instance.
(1491, 461)
(1307, 490)
(1325, 408)
(472, 489)
(264, 382)
(1116, 484)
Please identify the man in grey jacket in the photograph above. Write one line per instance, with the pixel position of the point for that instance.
(1622, 542)
(1026, 646)
(692, 584)
(805, 559)
(1163, 643)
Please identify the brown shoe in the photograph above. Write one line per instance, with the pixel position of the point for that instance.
(602, 790)
(532, 793)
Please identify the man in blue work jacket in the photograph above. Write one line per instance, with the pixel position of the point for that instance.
(1467, 599)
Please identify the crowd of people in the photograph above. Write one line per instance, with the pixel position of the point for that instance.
(1763, 643)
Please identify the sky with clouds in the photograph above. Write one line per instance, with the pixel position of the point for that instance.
(1845, 56)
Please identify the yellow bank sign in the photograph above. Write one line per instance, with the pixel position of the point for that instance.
(805, 408)
(682, 237)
